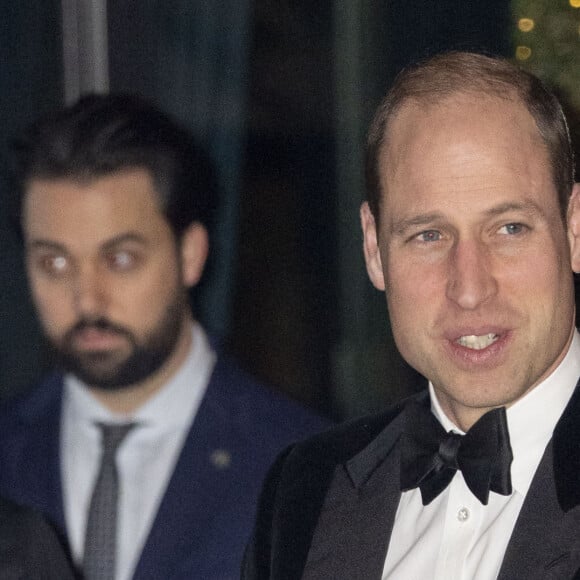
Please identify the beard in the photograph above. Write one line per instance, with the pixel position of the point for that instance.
(108, 370)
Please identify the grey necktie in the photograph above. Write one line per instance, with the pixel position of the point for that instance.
(101, 531)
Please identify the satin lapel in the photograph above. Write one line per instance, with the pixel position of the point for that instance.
(296, 519)
(195, 489)
(544, 543)
(356, 521)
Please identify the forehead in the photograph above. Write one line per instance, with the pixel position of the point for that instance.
(71, 210)
(463, 148)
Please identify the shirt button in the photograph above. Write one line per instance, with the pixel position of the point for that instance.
(463, 514)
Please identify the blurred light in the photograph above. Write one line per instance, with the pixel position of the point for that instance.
(523, 52)
(575, 3)
(527, 24)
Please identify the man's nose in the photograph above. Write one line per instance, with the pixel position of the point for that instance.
(471, 281)
(89, 292)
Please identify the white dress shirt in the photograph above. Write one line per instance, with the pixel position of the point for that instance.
(455, 537)
(146, 458)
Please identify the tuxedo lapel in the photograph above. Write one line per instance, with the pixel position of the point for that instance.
(544, 543)
(356, 521)
(328, 506)
(295, 520)
(312, 497)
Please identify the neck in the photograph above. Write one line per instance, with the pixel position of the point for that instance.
(465, 416)
(129, 399)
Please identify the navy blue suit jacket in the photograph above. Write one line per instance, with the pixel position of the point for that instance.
(207, 513)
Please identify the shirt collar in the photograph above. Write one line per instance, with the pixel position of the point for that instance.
(532, 419)
(170, 408)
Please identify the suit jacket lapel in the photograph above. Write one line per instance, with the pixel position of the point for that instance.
(544, 543)
(183, 513)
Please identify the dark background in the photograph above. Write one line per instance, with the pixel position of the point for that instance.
(280, 92)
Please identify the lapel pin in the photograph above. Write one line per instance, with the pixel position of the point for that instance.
(220, 458)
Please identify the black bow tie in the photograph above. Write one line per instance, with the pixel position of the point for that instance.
(430, 456)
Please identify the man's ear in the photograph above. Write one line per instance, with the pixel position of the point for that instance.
(574, 227)
(371, 247)
(194, 251)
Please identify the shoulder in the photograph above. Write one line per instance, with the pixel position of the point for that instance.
(316, 458)
(296, 487)
(35, 404)
(256, 408)
(337, 445)
(29, 423)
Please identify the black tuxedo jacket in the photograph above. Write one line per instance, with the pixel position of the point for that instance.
(29, 548)
(328, 506)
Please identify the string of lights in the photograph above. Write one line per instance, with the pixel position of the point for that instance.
(547, 42)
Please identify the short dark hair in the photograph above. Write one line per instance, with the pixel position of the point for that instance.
(102, 134)
(463, 72)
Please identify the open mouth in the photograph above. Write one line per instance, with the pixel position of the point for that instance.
(477, 342)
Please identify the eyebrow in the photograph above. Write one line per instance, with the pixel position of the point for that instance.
(402, 226)
(528, 207)
(129, 237)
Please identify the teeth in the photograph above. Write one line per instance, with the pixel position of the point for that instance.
(477, 342)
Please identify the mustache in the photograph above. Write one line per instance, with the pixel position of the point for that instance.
(102, 324)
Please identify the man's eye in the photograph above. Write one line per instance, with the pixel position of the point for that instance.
(54, 265)
(429, 236)
(512, 229)
(122, 261)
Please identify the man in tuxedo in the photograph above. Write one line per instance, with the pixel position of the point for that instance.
(148, 447)
(471, 228)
